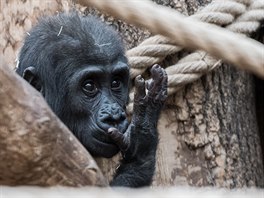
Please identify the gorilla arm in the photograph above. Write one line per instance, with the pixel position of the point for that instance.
(139, 143)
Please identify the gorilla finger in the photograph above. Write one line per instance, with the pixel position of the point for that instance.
(161, 97)
(140, 98)
(157, 73)
(164, 82)
(140, 91)
(155, 85)
(165, 77)
(118, 138)
(150, 84)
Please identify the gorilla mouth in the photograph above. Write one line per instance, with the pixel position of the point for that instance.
(105, 148)
(104, 143)
(101, 144)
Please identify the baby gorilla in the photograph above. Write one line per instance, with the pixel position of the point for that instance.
(79, 66)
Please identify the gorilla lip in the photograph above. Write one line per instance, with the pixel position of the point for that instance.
(109, 145)
(109, 149)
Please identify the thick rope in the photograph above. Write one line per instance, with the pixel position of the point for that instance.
(218, 12)
(179, 75)
(249, 22)
(187, 33)
(189, 69)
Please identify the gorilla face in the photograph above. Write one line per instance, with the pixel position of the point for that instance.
(94, 102)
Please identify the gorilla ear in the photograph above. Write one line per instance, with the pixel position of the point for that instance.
(30, 75)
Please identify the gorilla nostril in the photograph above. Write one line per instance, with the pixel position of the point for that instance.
(111, 121)
(123, 114)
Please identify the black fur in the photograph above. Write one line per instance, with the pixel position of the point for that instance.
(79, 66)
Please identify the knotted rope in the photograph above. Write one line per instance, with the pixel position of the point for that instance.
(142, 57)
(193, 66)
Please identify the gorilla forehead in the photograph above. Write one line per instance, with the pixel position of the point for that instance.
(69, 35)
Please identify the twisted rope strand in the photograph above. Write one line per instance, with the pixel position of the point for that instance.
(249, 21)
(201, 65)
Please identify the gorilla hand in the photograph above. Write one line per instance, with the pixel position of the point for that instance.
(139, 143)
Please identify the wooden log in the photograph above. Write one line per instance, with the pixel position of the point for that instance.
(36, 148)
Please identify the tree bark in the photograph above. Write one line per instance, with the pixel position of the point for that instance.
(35, 147)
(209, 133)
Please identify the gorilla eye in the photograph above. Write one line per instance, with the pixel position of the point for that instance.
(115, 84)
(89, 88)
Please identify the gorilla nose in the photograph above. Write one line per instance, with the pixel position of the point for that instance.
(114, 119)
(112, 116)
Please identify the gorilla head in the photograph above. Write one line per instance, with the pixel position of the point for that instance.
(79, 66)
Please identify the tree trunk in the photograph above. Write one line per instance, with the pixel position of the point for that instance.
(209, 133)
(35, 147)
(208, 130)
